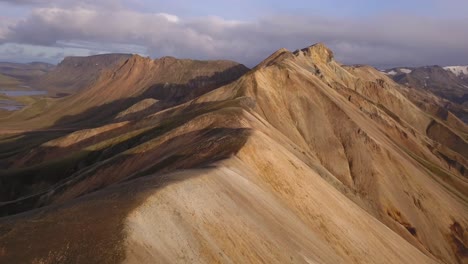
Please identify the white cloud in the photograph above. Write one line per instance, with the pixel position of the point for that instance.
(383, 40)
(169, 17)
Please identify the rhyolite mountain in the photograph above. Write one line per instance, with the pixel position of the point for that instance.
(299, 160)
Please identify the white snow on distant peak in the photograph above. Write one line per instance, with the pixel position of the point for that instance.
(392, 72)
(457, 70)
(407, 71)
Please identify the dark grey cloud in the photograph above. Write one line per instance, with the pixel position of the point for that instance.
(385, 40)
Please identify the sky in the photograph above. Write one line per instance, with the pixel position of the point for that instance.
(376, 32)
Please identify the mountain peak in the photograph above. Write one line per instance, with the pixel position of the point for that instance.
(168, 59)
(318, 52)
(277, 56)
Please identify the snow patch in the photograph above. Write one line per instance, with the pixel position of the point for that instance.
(407, 71)
(392, 72)
(457, 70)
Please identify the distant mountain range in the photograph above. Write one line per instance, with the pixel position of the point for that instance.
(461, 71)
(449, 83)
(25, 71)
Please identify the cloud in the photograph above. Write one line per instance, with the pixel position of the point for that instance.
(45, 3)
(383, 40)
(23, 2)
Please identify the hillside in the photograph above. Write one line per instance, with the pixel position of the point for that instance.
(299, 160)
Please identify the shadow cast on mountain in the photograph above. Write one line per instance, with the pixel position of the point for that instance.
(80, 231)
(36, 172)
(29, 188)
(140, 129)
(168, 94)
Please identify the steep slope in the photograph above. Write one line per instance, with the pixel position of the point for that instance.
(300, 160)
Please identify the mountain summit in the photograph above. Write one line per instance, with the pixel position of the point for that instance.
(318, 52)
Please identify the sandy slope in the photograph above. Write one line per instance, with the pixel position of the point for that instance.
(265, 205)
